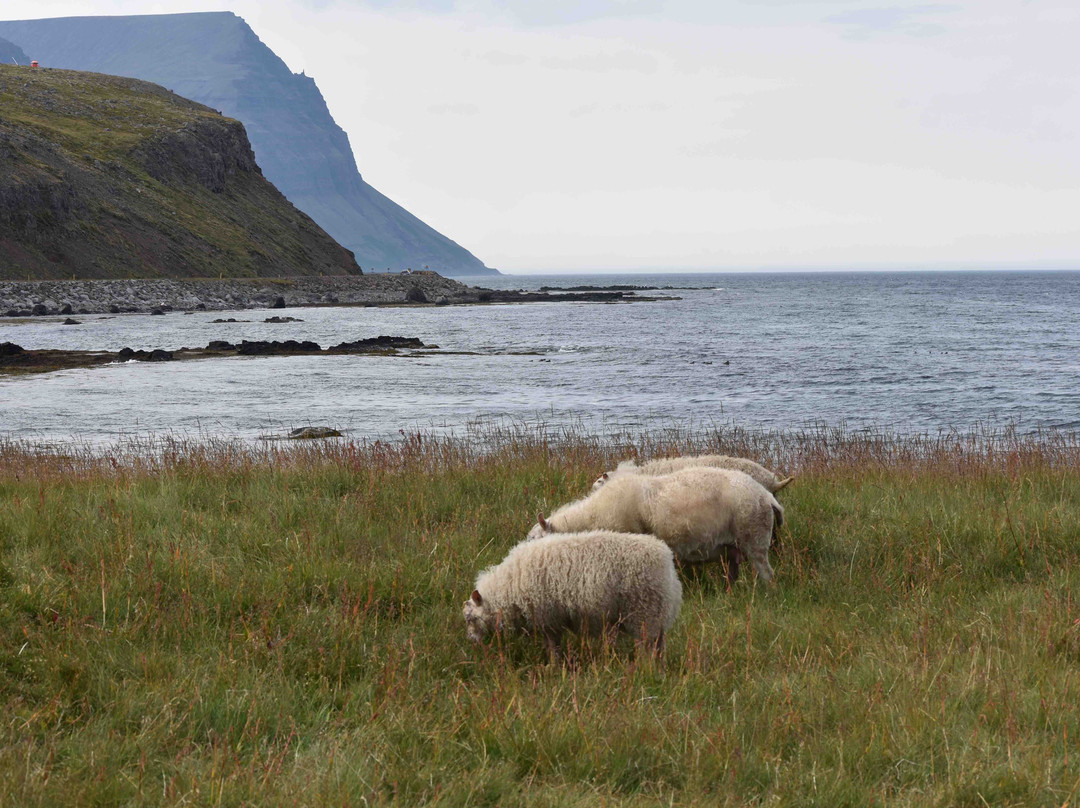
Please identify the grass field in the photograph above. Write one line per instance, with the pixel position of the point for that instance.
(215, 625)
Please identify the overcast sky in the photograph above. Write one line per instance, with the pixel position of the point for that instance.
(700, 134)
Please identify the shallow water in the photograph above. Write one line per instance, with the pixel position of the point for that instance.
(911, 352)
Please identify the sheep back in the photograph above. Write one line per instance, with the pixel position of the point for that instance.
(771, 481)
(583, 582)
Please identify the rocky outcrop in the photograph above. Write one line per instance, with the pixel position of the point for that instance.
(102, 177)
(216, 59)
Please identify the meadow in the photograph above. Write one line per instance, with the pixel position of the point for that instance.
(216, 624)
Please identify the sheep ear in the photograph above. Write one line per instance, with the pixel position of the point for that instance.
(540, 520)
(476, 597)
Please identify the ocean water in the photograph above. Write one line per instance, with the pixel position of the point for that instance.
(909, 352)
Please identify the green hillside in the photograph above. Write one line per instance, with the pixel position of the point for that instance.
(106, 177)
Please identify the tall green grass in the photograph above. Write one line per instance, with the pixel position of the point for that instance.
(217, 624)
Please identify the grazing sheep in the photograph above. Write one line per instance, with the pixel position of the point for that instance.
(667, 465)
(586, 582)
(697, 512)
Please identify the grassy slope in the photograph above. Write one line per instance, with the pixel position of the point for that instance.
(89, 157)
(219, 628)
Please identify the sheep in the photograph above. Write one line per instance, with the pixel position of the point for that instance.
(588, 582)
(698, 512)
(666, 465)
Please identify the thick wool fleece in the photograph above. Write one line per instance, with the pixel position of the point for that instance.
(580, 582)
(667, 465)
(695, 511)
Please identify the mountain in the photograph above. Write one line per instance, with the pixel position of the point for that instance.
(12, 53)
(216, 59)
(107, 177)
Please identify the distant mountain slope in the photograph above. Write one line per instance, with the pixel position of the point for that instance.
(106, 177)
(216, 59)
(9, 51)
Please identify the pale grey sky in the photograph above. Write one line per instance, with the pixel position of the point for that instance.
(616, 134)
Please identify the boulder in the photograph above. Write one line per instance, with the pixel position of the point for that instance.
(314, 433)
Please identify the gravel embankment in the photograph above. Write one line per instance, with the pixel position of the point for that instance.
(26, 298)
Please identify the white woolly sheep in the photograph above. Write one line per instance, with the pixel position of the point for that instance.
(667, 465)
(698, 512)
(587, 582)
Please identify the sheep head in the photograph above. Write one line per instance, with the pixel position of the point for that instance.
(603, 478)
(480, 618)
(540, 529)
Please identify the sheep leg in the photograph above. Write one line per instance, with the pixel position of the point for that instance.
(651, 640)
(732, 557)
(760, 559)
(554, 650)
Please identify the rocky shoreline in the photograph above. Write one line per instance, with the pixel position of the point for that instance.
(39, 298)
(157, 296)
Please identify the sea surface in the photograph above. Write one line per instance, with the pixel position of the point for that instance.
(900, 351)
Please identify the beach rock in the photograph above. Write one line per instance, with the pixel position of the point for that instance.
(39, 310)
(377, 343)
(70, 321)
(10, 349)
(416, 295)
(283, 320)
(220, 345)
(66, 309)
(157, 311)
(314, 433)
(279, 303)
(271, 347)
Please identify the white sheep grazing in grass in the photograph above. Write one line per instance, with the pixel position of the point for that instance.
(586, 582)
(698, 512)
(667, 465)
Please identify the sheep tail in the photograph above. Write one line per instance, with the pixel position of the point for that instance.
(783, 483)
(778, 521)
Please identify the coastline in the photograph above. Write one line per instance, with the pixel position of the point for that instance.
(127, 296)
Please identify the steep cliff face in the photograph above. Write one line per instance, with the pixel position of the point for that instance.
(104, 177)
(216, 59)
(10, 53)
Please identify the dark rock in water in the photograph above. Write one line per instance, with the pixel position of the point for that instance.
(283, 320)
(157, 311)
(114, 309)
(229, 320)
(39, 310)
(313, 433)
(415, 295)
(271, 347)
(220, 345)
(376, 343)
(10, 349)
(70, 321)
(66, 309)
(279, 303)
(156, 355)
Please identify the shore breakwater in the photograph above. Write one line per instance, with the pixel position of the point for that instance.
(28, 298)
